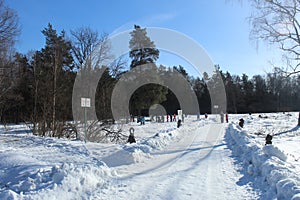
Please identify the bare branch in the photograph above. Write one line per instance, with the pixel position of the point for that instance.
(277, 22)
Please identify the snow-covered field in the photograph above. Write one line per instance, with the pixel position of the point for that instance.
(201, 160)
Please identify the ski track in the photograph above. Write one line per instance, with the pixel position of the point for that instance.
(195, 167)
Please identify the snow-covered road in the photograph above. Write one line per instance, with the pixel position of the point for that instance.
(203, 159)
(197, 166)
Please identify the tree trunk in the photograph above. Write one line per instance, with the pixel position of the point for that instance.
(35, 108)
(54, 93)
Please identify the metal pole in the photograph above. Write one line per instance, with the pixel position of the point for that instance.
(85, 131)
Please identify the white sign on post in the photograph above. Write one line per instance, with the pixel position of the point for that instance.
(85, 102)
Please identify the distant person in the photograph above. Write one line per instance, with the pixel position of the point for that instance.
(178, 123)
(138, 119)
(132, 118)
(268, 139)
(205, 115)
(142, 120)
(241, 123)
(174, 117)
(157, 119)
(131, 138)
(170, 118)
(226, 117)
(222, 117)
(167, 118)
(299, 119)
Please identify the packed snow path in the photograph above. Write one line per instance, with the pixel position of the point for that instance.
(197, 166)
(196, 161)
(190, 162)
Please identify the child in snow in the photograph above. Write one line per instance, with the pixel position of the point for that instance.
(131, 138)
(241, 123)
(269, 139)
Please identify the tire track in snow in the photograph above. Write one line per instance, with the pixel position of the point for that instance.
(196, 167)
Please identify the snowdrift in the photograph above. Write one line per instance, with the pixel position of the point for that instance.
(67, 181)
(138, 152)
(265, 164)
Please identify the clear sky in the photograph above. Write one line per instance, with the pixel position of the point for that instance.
(219, 26)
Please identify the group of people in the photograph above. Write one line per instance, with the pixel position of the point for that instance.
(141, 119)
(222, 117)
(131, 138)
(171, 117)
(168, 118)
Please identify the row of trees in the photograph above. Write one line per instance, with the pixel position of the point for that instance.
(269, 93)
(38, 87)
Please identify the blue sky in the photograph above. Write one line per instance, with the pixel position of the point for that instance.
(219, 26)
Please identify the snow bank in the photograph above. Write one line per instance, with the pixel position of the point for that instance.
(161, 139)
(67, 181)
(138, 152)
(264, 162)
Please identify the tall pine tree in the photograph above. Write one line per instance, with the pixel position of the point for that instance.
(144, 54)
(53, 80)
(143, 50)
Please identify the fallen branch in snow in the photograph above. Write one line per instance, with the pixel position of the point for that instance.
(105, 131)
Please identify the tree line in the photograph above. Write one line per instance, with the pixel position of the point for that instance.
(37, 87)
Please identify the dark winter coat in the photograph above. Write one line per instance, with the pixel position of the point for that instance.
(131, 139)
(241, 123)
(178, 123)
(269, 139)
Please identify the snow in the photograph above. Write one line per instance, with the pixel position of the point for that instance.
(274, 167)
(203, 159)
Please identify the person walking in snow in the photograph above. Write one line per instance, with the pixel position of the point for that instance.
(131, 138)
(241, 123)
(226, 117)
(222, 117)
(174, 118)
(132, 118)
(268, 139)
(142, 120)
(178, 123)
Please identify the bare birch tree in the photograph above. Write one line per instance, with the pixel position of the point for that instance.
(277, 22)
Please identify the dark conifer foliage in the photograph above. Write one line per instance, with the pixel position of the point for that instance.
(38, 87)
(144, 54)
(142, 49)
